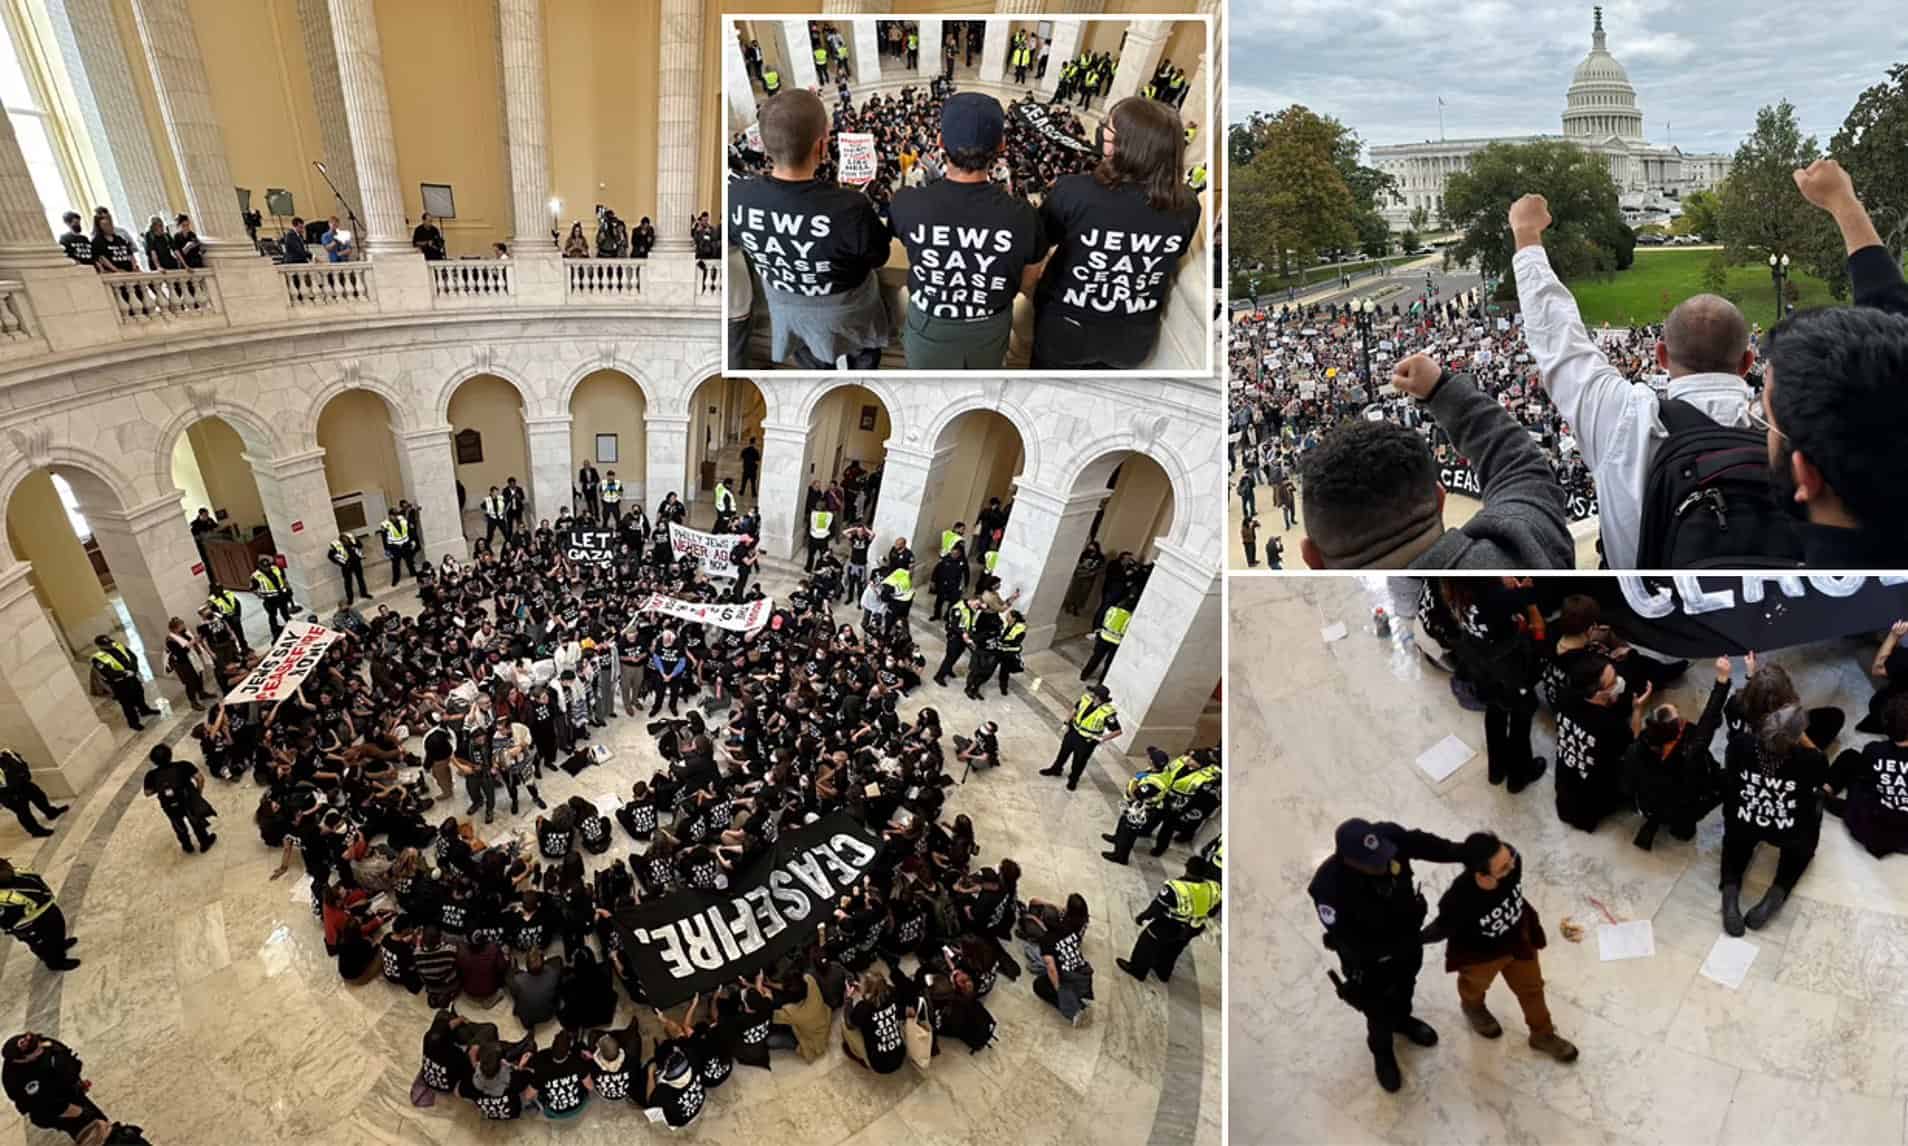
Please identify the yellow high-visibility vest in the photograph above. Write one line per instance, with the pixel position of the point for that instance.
(818, 523)
(949, 539)
(612, 492)
(964, 615)
(992, 559)
(1010, 640)
(396, 531)
(1194, 903)
(902, 582)
(1089, 720)
(270, 585)
(225, 602)
(1113, 627)
(115, 660)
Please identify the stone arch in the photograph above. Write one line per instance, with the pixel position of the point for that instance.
(880, 387)
(610, 361)
(102, 475)
(1096, 460)
(253, 429)
(399, 403)
(526, 394)
(1006, 407)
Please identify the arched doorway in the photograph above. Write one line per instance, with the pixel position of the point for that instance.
(49, 529)
(1136, 510)
(607, 409)
(979, 455)
(212, 472)
(847, 442)
(725, 417)
(357, 429)
(490, 444)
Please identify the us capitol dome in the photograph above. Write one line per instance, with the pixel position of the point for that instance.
(1600, 115)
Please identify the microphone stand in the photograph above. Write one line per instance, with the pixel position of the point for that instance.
(357, 224)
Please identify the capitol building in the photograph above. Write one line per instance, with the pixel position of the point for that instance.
(1600, 115)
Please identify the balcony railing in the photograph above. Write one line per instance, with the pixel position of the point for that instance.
(315, 285)
(13, 313)
(603, 279)
(158, 296)
(476, 279)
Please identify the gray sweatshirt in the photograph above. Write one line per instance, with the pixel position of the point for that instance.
(1523, 524)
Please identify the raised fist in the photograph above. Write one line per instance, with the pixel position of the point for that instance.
(1416, 375)
(1825, 184)
(1529, 216)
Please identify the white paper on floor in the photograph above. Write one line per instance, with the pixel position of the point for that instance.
(301, 891)
(1729, 961)
(1444, 757)
(608, 802)
(1333, 632)
(1633, 940)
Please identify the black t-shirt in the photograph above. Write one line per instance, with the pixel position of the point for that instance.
(1591, 741)
(559, 1081)
(78, 246)
(173, 784)
(115, 249)
(679, 1105)
(967, 244)
(1778, 804)
(880, 1028)
(809, 238)
(1885, 770)
(1115, 255)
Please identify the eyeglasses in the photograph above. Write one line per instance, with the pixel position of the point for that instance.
(1759, 418)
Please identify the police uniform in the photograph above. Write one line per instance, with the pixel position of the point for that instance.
(983, 637)
(1174, 918)
(348, 556)
(1374, 922)
(20, 795)
(176, 785)
(46, 1086)
(1092, 719)
(1107, 641)
(274, 591)
(612, 499)
(399, 545)
(29, 914)
(959, 622)
(231, 610)
(119, 668)
(1144, 808)
(900, 584)
(1192, 799)
(820, 523)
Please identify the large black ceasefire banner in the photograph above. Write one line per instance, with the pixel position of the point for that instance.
(1692, 615)
(691, 942)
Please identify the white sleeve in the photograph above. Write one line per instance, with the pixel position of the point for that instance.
(1592, 395)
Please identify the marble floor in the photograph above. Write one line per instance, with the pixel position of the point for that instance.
(1812, 1049)
(208, 1012)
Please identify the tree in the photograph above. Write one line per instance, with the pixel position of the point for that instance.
(1408, 242)
(1699, 215)
(1291, 199)
(1759, 211)
(1419, 218)
(1587, 234)
(1873, 146)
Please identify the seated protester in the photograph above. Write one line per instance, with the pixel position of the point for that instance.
(592, 826)
(1890, 666)
(1372, 497)
(531, 922)
(954, 1001)
(610, 1070)
(446, 1060)
(398, 955)
(499, 1085)
(1062, 975)
(744, 1021)
(871, 1033)
(638, 813)
(983, 751)
(437, 968)
(586, 992)
(1582, 633)
(972, 247)
(1119, 233)
(1774, 776)
(1594, 730)
(1671, 771)
(556, 832)
(671, 1086)
(562, 1078)
(1876, 780)
(824, 298)
(803, 1019)
(481, 967)
(534, 990)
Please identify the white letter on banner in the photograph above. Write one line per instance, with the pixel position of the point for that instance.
(1645, 602)
(808, 870)
(770, 920)
(845, 872)
(724, 930)
(1837, 586)
(862, 853)
(1752, 588)
(667, 947)
(699, 942)
(1698, 600)
(795, 905)
(742, 927)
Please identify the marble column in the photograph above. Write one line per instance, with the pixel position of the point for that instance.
(737, 87)
(89, 42)
(354, 31)
(929, 38)
(678, 149)
(665, 456)
(150, 551)
(334, 132)
(1040, 549)
(1023, 7)
(994, 46)
(1064, 46)
(841, 6)
(784, 455)
(910, 480)
(45, 714)
(428, 464)
(526, 123)
(799, 54)
(866, 45)
(192, 126)
(297, 504)
(549, 441)
(1164, 675)
(25, 238)
(1139, 57)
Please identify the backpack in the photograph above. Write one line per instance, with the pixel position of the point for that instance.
(1706, 499)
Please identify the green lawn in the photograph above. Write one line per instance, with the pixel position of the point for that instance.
(1270, 282)
(1662, 278)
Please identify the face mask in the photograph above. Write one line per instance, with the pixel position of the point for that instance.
(1619, 688)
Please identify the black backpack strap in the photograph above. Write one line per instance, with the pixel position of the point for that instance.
(1680, 416)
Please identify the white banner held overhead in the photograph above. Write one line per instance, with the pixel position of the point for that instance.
(286, 664)
(711, 549)
(745, 617)
(857, 157)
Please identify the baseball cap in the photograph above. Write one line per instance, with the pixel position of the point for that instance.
(972, 121)
(1359, 842)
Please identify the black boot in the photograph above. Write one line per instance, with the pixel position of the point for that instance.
(1646, 835)
(1760, 915)
(1418, 1031)
(1537, 766)
(1385, 1064)
(1732, 909)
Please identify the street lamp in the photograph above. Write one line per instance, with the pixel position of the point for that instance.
(1779, 272)
(1363, 314)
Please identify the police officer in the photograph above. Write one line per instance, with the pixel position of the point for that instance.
(821, 523)
(400, 545)
(274, 591)
(1144, 807)
(1191, 799)
(496, 516)
(821, 63)
(725, 506)
(179, 787)
(959, 623)
(612, 497)
(983, 638)
(231, 611)
(348, 555)
(1373, 914)
(898, 589)
(1095, 719)
(20, 795)
(1174, 918)
(1005, 639)
(1112, 631)
(28, 913)
(48, 1086)
(771, 80)
(119, 668)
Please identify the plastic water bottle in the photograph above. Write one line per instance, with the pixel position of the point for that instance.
(1381, 621)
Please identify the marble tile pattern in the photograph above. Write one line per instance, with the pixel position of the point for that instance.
(1812, 1049)
(208, 1012)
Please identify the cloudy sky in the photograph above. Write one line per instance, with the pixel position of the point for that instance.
(1503, 67)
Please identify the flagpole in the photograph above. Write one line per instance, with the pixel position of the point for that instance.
(1440, 119)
